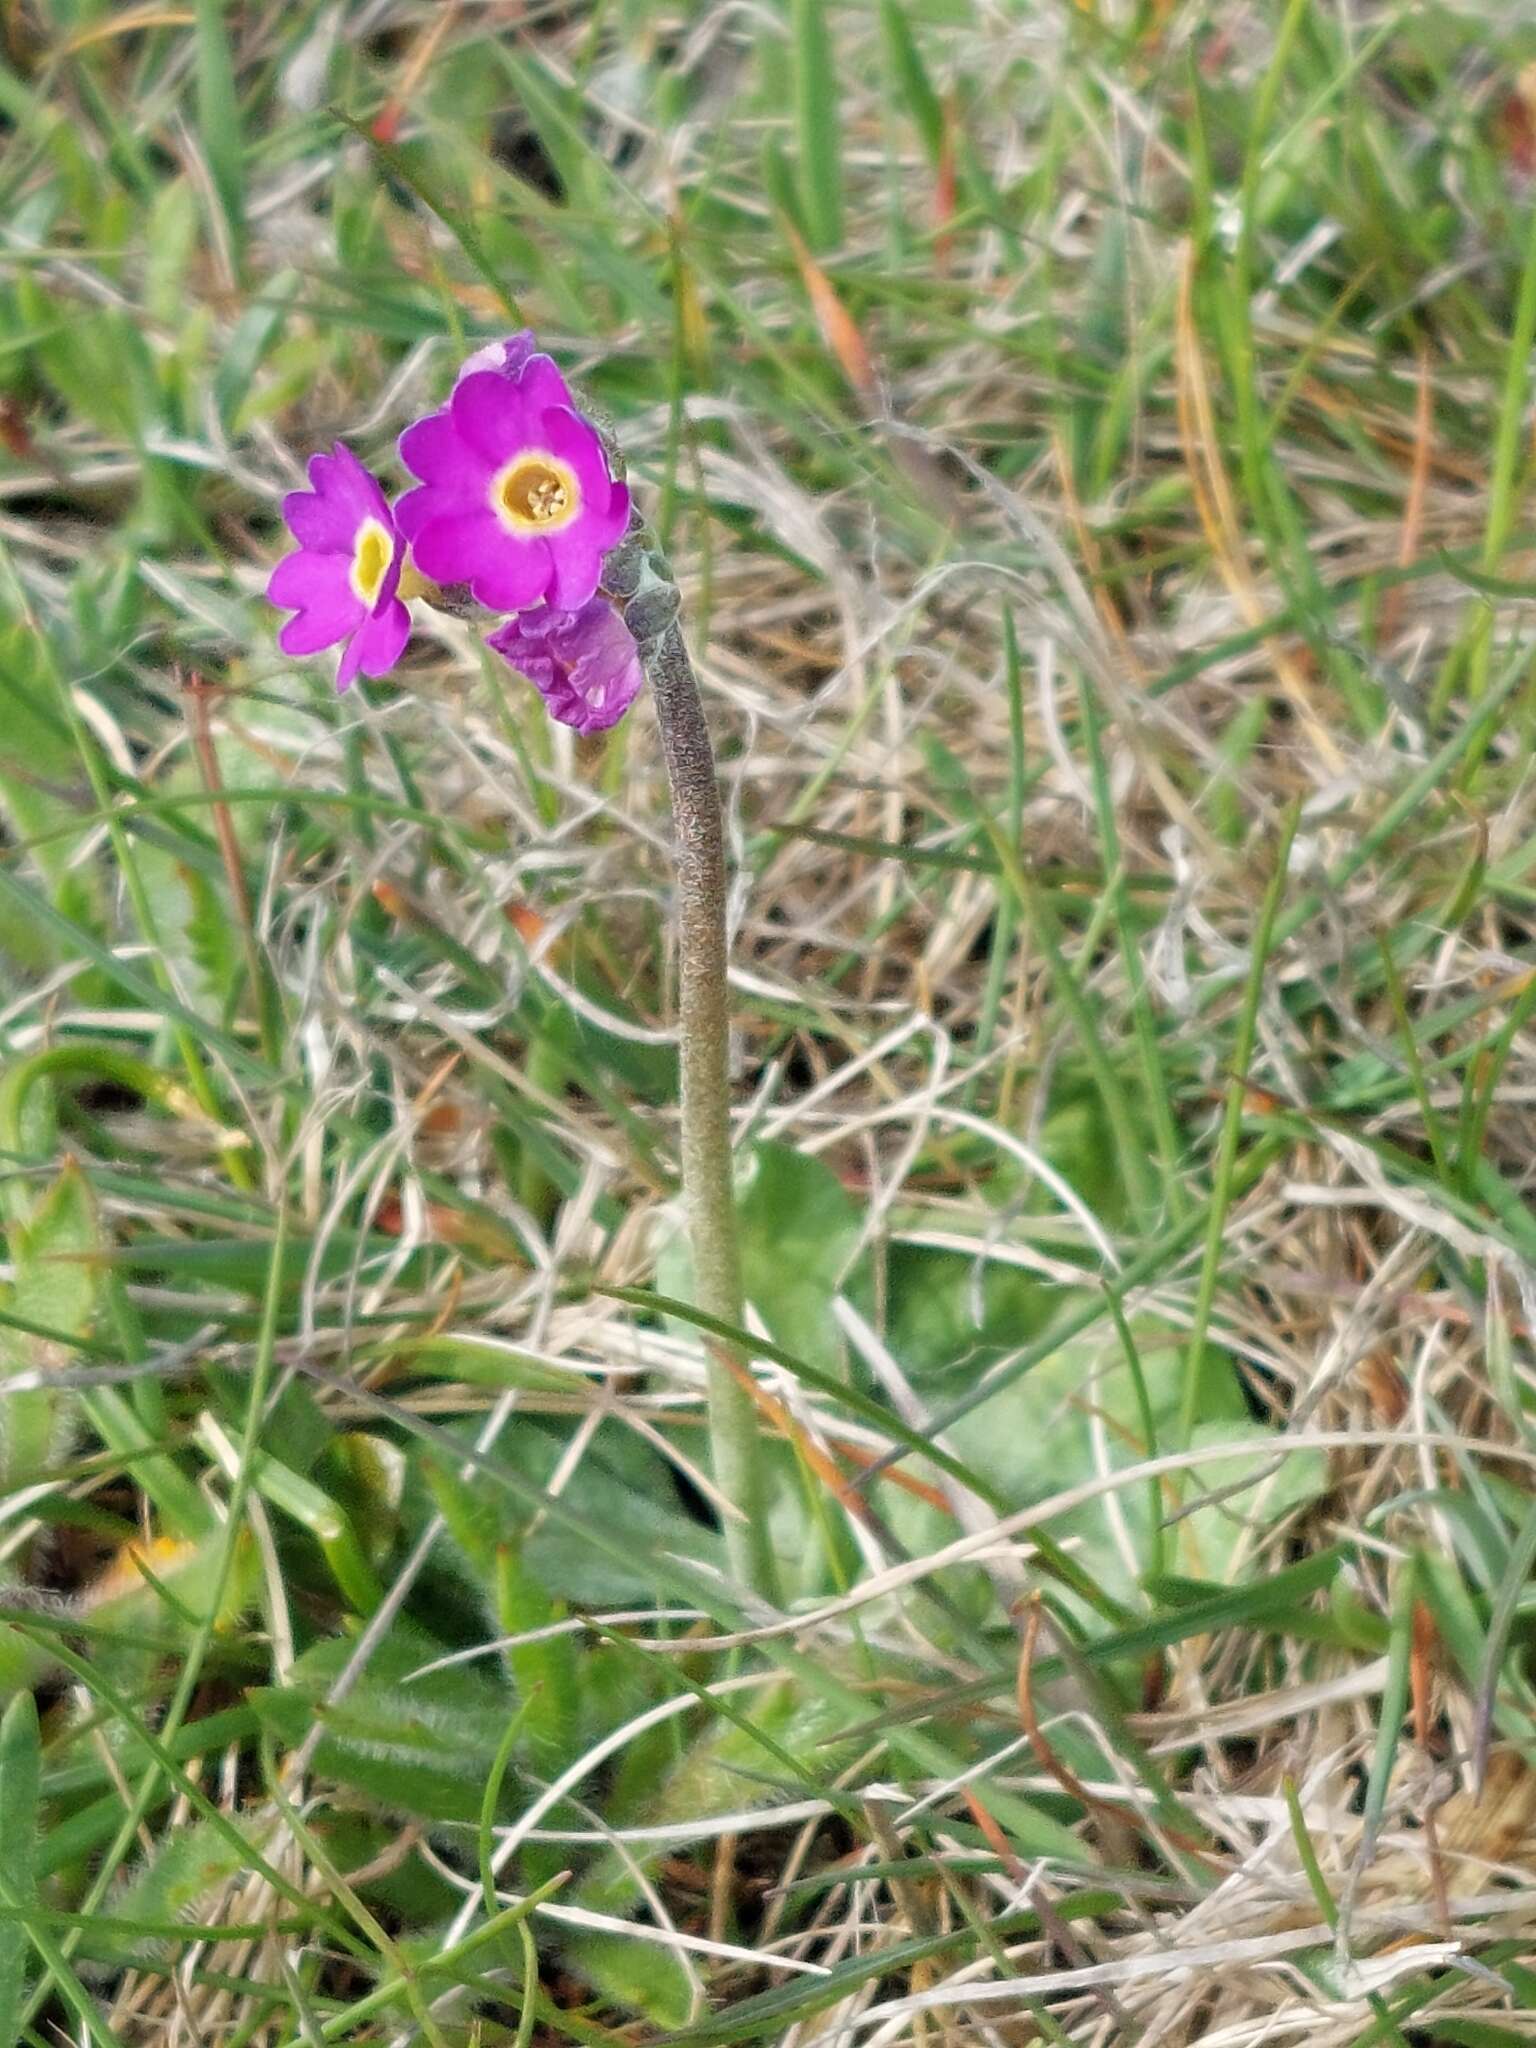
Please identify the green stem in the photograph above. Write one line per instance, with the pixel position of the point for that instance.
(704, 1020)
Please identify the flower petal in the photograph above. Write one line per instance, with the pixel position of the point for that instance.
(306, 578)
(357, 486)
(351, 660)
(384, 638)
(541, 385)
(432, 450)
(318, 522)
(415, 508)
(585, 664)
(578, 567)
(604, 501)
(519, 575)
(618, 511)
(344, 494)
(506, 357)
(321, 626)
(576, 441)
(390, 581)
(491, 419)
(508, 399)
(457, 546)
(608, 676)
(376, 645)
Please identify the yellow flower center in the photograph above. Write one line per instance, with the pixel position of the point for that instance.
(535, 493)
(372, 553)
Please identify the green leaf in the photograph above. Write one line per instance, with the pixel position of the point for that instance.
(476, 1522)
(544, 1672)
(181, 1880)
(481, 1362)
(946, 1322)
(412, 1744)
(257, 330)
(57, 1287)
(725, 1769)
(778, 183)
(170, 235)
(168, 1585)
(1035, 1438)
(1264, 1484)
(20, 1777)
(622, 1486)
(554, 112)
(313, 1508)
(41, 786)
(371, 1481)
(407, 168)
(100, 365)
(636, 1975)
(57, 1255)
(567, 1695)
(798, 1227)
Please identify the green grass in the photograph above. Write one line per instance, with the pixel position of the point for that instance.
(1095, 443)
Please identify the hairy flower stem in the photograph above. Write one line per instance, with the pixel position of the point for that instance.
(639, 579)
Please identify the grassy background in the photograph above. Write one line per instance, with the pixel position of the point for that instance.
(1095, 441)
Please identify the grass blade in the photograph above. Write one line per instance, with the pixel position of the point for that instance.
(20, 1770)
(1232, 1124)
(218, 115)
(819, 126)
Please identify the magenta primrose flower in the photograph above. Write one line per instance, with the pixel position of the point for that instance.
(516, 496)
(342, 580)
(584, 663)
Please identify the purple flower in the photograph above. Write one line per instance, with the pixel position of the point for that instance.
(584, 663)
(516, 497)
(342, 581)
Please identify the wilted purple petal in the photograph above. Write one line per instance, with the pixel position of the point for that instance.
(584, 663)
(506, 358)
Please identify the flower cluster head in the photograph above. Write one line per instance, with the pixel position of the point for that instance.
(516, 498)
